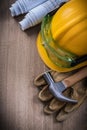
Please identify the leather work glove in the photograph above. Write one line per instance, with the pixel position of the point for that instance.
(63, 109)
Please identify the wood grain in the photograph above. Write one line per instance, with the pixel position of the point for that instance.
(20, 108)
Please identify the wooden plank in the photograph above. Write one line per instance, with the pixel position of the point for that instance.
(20, 108)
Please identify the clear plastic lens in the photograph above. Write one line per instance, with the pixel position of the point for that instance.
(57, 55)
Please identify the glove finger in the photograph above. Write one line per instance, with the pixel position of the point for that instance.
(79, 94)
(62, 115)
(47, 110)
(56, 104)
(39, 81)
(44, 94)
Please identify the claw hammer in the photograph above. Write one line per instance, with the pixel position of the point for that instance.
(56, 88)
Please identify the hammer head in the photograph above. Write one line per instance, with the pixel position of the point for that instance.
(57, 88)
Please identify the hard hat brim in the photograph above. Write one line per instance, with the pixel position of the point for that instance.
(49, 63)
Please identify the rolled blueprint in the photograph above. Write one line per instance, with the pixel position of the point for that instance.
(36, 15)
(24, 6)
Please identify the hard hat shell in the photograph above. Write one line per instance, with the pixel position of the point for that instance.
(68, 29)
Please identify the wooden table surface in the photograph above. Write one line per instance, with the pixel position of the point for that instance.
(20, 108)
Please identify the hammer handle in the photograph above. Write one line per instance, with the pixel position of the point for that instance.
(68, 82)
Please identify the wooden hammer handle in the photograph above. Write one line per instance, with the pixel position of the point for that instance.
(68, 82)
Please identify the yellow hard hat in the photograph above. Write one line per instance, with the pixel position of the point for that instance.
(62, 41)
